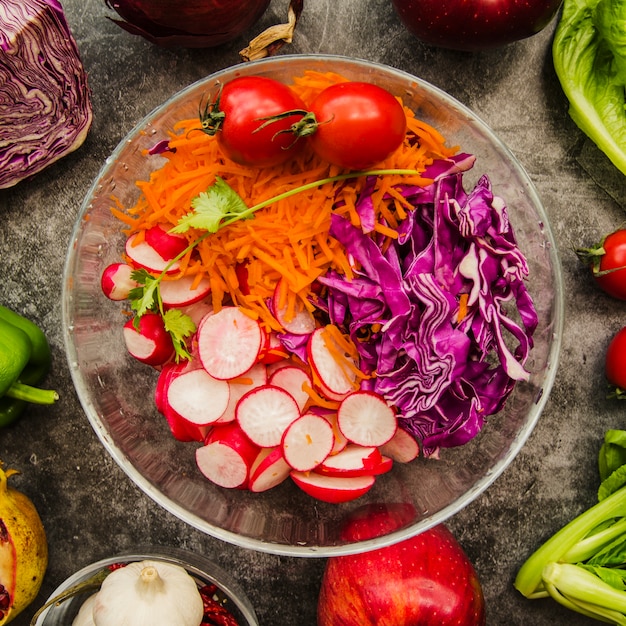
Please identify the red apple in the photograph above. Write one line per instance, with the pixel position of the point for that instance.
(475, 24)
(427, 580)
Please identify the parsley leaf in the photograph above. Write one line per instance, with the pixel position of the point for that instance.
(179, 326)
(210, 207)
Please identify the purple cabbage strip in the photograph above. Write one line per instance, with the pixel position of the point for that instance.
(444, 370)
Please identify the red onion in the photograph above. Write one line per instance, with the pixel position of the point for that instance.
(45, 103)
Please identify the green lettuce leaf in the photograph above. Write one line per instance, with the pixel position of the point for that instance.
(589, 54)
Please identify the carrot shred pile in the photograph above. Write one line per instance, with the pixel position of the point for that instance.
(288, 241)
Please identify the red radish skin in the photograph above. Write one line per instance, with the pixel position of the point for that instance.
(150, 343)
(255, 377)
(264, 414)
(268, 470)
(116, 281)
(143, 255)
(331, 488)
(198, 397)
(355, 460)
(227, 456)
(167, 245)
(292, 379)
(301, 323)
(334, 380)
(307, 441)
(183, 292)
(229, 343)
(402, 447)
(273, 350)
(365, 418)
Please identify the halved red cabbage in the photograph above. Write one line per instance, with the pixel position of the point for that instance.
(45, 103)
(445, 308)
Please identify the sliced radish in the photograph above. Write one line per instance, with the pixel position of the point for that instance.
(335, 378)
(402, 447)
(228, 343)
(143, 255)
(150, 343)
(167, 245)
(331, 488)
(292, 379)
(365, 418)
(197, 311)
(227, 456)
(268, 470)
(340, 442)
(307, 441)
(355, 460)
(298, 322)
(198, 397)
(264, 414)
(239, 387)
(182, 291)
(273, 350)
(116, 281)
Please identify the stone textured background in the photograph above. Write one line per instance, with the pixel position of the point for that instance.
(89, 506)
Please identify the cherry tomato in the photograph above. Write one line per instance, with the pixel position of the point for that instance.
(236, 115)
(358, 125)
(608, 263)
(615, 365)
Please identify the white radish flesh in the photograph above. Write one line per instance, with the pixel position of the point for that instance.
(150, 343)
(331, 488)
(294, 380)
(402, 447)
(198, 397)
(298, 322)
(227, 456)
(365, 418)
(143, 255)
(239, 387)
(307, 441)
(264, 414)
(353, 460)
(183, 291)
(268, 470)
(116, 281)
(228, 343)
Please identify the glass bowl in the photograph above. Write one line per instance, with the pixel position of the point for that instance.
(116, 392)
(228, 592)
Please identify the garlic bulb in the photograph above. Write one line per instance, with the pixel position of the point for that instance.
(145, 593)
(85, 614)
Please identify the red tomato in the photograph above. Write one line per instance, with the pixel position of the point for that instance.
(608, 263)
(235, 118)
(615, 365)
(359, 125)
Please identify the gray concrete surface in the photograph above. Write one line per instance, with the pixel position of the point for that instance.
(89, 506)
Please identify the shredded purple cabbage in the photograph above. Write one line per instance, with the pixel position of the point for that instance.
(445, 365)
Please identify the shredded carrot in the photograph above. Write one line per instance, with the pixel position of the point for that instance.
(288, 241)
(463, 298)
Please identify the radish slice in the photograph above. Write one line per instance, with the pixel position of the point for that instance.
(340, 442)
(402, 447)
(255, 377)
(365, 418)
(331, 488)
(334, 378)
(167, 245)
(273, 350)
(298, 322)
(228, 343)
(198, 397)
(116, 281)
(182, 292)
(143, 255)
(268, 470)
(197, 311)
(264, 414)
(354, 460)
(227, 456)
(292, 379)
(150, 343)
(307, 441)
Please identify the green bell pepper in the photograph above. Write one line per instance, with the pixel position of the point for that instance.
(25, 360)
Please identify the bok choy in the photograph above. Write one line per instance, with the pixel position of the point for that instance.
(583, 566)
(589, 53)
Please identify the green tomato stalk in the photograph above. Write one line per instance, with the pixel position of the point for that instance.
(583, 565)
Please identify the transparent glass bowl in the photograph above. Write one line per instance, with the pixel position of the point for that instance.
(116, 392)
(229, 593)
